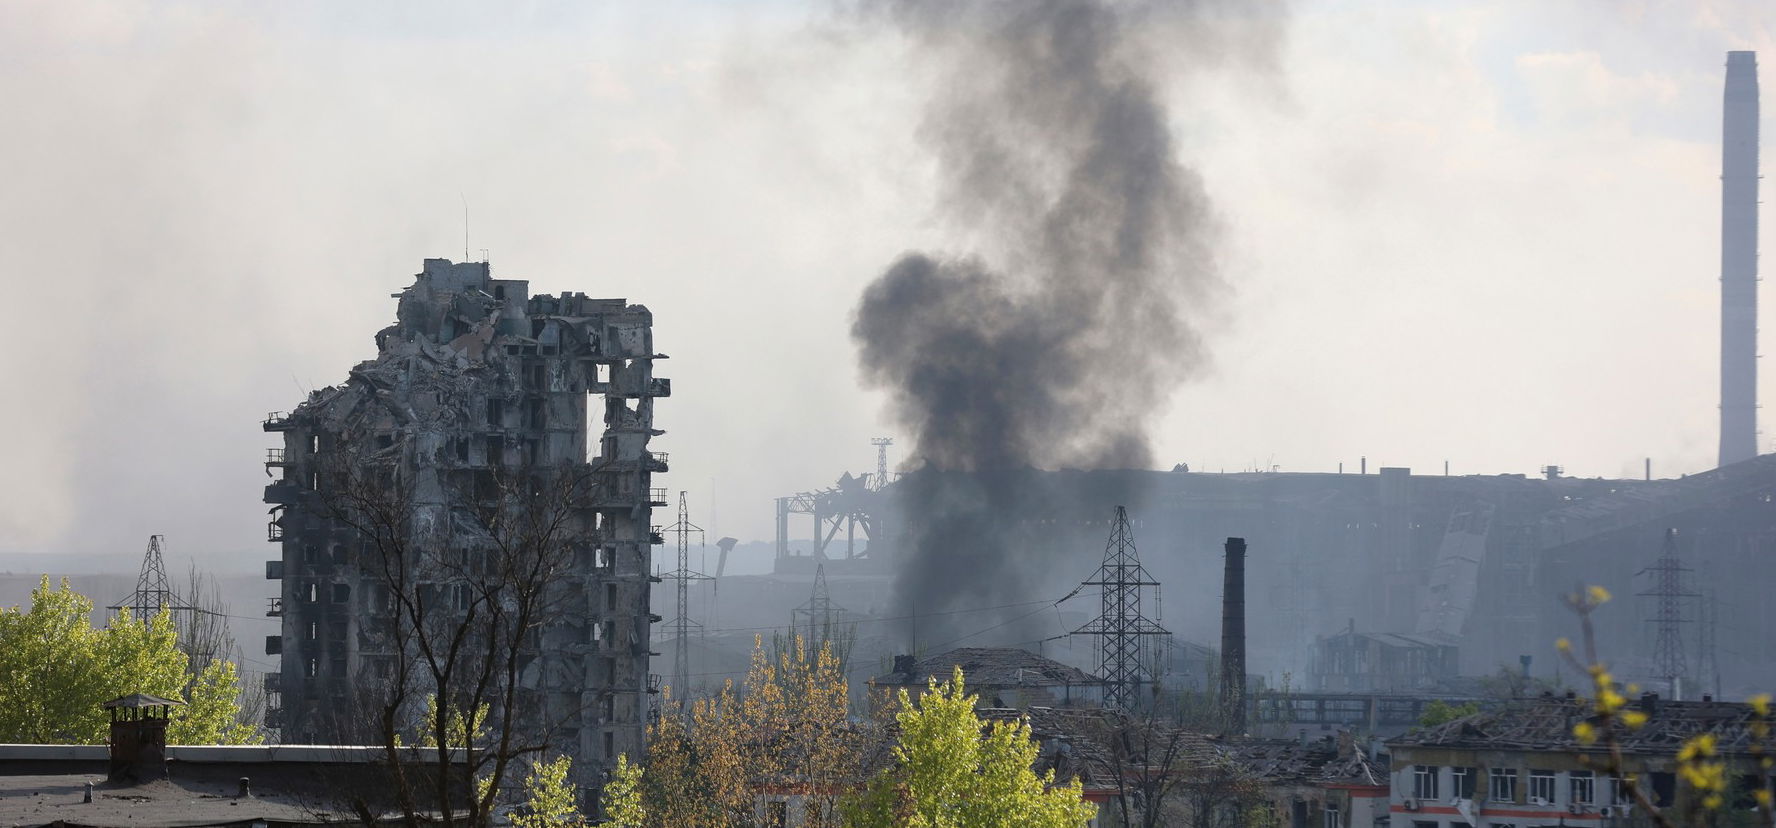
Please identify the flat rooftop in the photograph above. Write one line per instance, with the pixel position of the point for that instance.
(292, 785)
(206, 798)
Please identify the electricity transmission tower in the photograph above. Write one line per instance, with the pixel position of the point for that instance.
(682, 626)
(1120, 627)
(818, 620)
(881, 444)
(153, 593)
(1668, 594)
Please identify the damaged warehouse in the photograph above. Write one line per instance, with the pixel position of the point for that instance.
(476, 401)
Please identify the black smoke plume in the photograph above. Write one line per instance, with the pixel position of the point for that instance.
(1056, 341)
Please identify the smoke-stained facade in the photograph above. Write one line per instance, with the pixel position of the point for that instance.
(476, 382)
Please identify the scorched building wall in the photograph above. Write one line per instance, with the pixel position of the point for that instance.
(477, 378)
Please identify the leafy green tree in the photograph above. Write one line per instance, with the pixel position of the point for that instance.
(549, 797)
(622, 796)
(1440, 712)
(56, 670)
(458, 730)
(211, 715)
(949, 774)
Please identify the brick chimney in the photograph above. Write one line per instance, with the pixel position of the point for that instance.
(138, 737)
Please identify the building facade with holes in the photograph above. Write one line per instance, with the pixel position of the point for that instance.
(1520, 766)
(476, 388)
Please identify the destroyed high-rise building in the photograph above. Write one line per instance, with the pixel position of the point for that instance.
(477, 384)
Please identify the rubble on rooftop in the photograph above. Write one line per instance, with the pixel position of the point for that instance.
(1546, 724)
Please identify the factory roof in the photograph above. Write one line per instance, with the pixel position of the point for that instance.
(990, 667)
(1394, 639)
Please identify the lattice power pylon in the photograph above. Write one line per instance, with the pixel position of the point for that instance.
(1668, 594)
(817, 619)
(1121, 626)
(153, 593)
(682, 626)
(881, 444)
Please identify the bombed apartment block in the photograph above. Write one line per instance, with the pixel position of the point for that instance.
(451, 482)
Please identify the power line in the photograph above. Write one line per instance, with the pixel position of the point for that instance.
(888, 618)
(1005, 623)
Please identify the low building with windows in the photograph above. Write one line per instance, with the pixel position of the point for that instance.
(1332, 782)
(1520, 766)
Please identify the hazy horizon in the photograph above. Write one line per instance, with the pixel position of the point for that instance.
(1486, 233)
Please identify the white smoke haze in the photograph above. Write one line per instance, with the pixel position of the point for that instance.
(1477, 231)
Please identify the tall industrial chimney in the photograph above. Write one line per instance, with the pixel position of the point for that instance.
(1739, 195)
(1233, 637)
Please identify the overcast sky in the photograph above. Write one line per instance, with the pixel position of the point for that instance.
(1481, 232)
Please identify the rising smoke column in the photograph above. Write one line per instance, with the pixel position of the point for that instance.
(1055, 341)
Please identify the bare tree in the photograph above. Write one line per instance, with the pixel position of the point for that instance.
(205, 637)
(1217, 791)
(1150, 758)
(466, 574)
(203, 627)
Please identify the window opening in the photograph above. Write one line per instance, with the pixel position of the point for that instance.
(1424, 782)
(1504, 785)
(1582, 787)
(1541, 786)
(1462, 780)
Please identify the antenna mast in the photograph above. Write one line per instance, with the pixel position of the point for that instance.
(881, 444)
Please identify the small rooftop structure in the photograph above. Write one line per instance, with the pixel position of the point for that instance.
(138, 737)
(140, 701)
